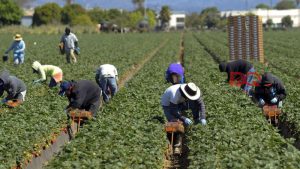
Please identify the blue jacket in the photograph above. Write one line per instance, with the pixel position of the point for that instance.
(17, 46)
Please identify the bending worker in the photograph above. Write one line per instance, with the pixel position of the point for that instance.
(19, 50)
(106, 78)
(181, 97)
(14, 87)
(54, 72)
(270, 91)
(175, 73)
(82, 94)
(239, 69)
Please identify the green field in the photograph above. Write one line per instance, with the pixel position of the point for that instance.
(126, 133)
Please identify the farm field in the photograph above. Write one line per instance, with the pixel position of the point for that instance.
(128, 132)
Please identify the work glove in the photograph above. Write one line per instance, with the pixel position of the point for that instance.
(37, 81)
(261, 102)
(188, 121)
(274, 100)
(203, 122)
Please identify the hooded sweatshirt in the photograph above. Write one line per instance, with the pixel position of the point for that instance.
(268, 93)
(83, 94)
(12, 85)
(46, 70)
(240, 66)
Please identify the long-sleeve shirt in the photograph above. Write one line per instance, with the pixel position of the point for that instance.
(268, 93)
(174, 98)
(12, 85)
(17, 46)
(240, 66)
(83, 94)
(48, 70)
(69, 41)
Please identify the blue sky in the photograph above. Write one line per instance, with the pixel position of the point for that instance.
(176, 5)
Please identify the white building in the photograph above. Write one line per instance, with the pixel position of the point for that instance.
(27, 17)
(177, 20)
(275, 15)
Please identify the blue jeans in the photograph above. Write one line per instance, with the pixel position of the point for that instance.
(173, 112)
(250, 77)
(19, 58)
(106, 84)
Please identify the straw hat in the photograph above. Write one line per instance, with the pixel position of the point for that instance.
(18, 37)
(191, 91)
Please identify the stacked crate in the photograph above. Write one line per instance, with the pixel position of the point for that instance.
(245, 38)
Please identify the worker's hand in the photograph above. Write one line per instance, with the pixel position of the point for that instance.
(274, 100)
(261, 102)
(188, 121)
(36, 81)
(203, 122)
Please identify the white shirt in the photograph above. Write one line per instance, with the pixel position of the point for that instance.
(69, 41)
(107, 70)
(172, 95)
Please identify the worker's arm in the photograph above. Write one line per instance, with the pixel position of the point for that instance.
(77, 101)
(12, 46)
(12, 91)
(281, 93)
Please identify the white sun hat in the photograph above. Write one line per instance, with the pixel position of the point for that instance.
(191, 91)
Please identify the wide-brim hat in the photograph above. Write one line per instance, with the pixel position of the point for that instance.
(18, 37)
(191, 91)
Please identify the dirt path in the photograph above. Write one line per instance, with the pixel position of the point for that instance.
(136, 68)
(178, 161)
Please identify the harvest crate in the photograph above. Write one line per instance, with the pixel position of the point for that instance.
(245, 38)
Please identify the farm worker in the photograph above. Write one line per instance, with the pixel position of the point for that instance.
(19, 50)
(54, 72)
(70, 45)
(106, 78)
(14, 87)
(270, 91)
(237, 69)
(175, 73)
(82, 94)
(180, 97)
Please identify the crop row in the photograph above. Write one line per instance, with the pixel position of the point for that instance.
(29, 127)
(284, 67)
(127, 133)
(237, 134)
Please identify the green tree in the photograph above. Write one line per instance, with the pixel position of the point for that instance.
(23, 2)
(286, 4)
(165, 15)
(47, 14)
(210, 17)
(69, 12)
(97, 15)
(113, 14)
(287, 22)
(82, 19)
(193, 20)
(262, 6)
(134, 18)
(10, 13)
(139, 3)
(269, 23)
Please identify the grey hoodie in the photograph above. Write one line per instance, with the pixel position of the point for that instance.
(12, 85)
